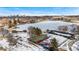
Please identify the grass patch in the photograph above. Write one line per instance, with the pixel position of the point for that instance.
(2, 37)
(2, 49)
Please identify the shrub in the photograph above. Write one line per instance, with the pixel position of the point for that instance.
(14, 31)
(11, 40)
(24, 30)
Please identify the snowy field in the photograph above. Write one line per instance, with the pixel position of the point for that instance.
(30, 47)
(25, 45)
(52, 25)
(22, 38)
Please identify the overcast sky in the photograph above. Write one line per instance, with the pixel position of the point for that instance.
(39, 11)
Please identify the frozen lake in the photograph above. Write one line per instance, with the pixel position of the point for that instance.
(44, 25)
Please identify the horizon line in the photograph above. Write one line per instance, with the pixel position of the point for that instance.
(41, 15)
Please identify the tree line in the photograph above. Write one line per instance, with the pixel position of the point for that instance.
(12, 23)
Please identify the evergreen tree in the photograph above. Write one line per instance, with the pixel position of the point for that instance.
(18, 21)
(54, 44)
(38, 31)
(35, 31)
(14, 22)
(10, 24)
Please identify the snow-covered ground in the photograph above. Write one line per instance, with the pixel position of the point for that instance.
(26, 46)
(52, 25)
(23, 43)
(59, 39)
(4, 43)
